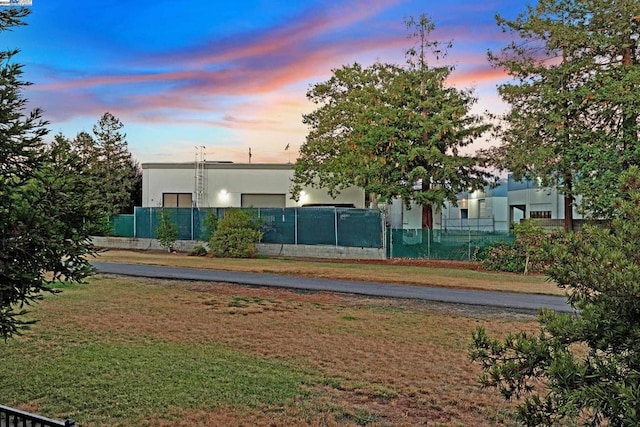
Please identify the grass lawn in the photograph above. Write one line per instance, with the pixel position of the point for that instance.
(123, 351)
(459, 278)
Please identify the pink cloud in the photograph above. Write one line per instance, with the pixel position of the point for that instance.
(253, 67)
(478, 74)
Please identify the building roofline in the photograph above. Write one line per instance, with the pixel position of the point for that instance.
(219, 165)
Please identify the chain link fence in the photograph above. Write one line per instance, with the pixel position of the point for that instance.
(461, 245)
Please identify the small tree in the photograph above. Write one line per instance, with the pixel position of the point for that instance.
(529, 235)
(582, 368)
(236, 235)
(167, 230)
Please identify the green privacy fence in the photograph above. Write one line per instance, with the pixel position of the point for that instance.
(304, 226)
(440, 244)
(122, 225)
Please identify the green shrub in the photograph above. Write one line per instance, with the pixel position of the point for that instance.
(528, 253)
(210, 224)
(198, 250)
(502, 256)
(167, 231)
(236, 235)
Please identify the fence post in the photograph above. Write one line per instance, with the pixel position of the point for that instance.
(295, 227)
(192, 224)
(383, 234)
(469, 244)
(335, 224)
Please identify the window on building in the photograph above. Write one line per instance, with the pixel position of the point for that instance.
(176, 200)
(464, 213)
(540, 215)
(482, 208)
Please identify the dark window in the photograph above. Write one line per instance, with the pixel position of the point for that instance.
(176, 200)
(540, 215)
(464, 213)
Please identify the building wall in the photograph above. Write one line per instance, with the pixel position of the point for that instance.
(511, 201)
(480, 210)
(399, 216)
(224, 184)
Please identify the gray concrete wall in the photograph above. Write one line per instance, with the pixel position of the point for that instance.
(292, 251)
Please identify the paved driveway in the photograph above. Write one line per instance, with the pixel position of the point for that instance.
(517, 301)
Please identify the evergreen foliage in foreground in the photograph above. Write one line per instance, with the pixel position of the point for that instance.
(43, 218)
(583, 367)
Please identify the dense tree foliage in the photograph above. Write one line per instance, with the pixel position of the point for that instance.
(114, 165)
(393, 130)
(43, 237)
(116, 175)
(574, 98)
(581, 367)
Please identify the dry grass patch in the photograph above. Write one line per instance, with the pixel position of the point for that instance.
(384, 273)
(356, 361)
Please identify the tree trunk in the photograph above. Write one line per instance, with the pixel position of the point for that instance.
(427, 210)
(568, 202)
(568, 212)
(373, 201)
(427, 217)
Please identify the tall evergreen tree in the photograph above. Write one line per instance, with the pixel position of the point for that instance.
(574, 98)
(114, 165)
(42, 233)
(394, 130)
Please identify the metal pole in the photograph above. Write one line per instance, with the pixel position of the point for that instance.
(383, 235)
(469, 243)
(295, 227)
(335, 224)
(193, 224)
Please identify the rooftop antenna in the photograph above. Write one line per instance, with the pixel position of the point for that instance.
(200, 178)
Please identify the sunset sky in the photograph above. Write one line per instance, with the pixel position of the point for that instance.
(229, 75)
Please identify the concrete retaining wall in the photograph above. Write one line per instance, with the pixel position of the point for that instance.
(291, 251)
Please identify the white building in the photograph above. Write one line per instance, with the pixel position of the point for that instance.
(226, 184)
(495, 209)
(482, 210)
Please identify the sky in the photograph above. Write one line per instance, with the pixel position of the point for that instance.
(230, 76)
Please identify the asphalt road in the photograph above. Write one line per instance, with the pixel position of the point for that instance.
(508, 300)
